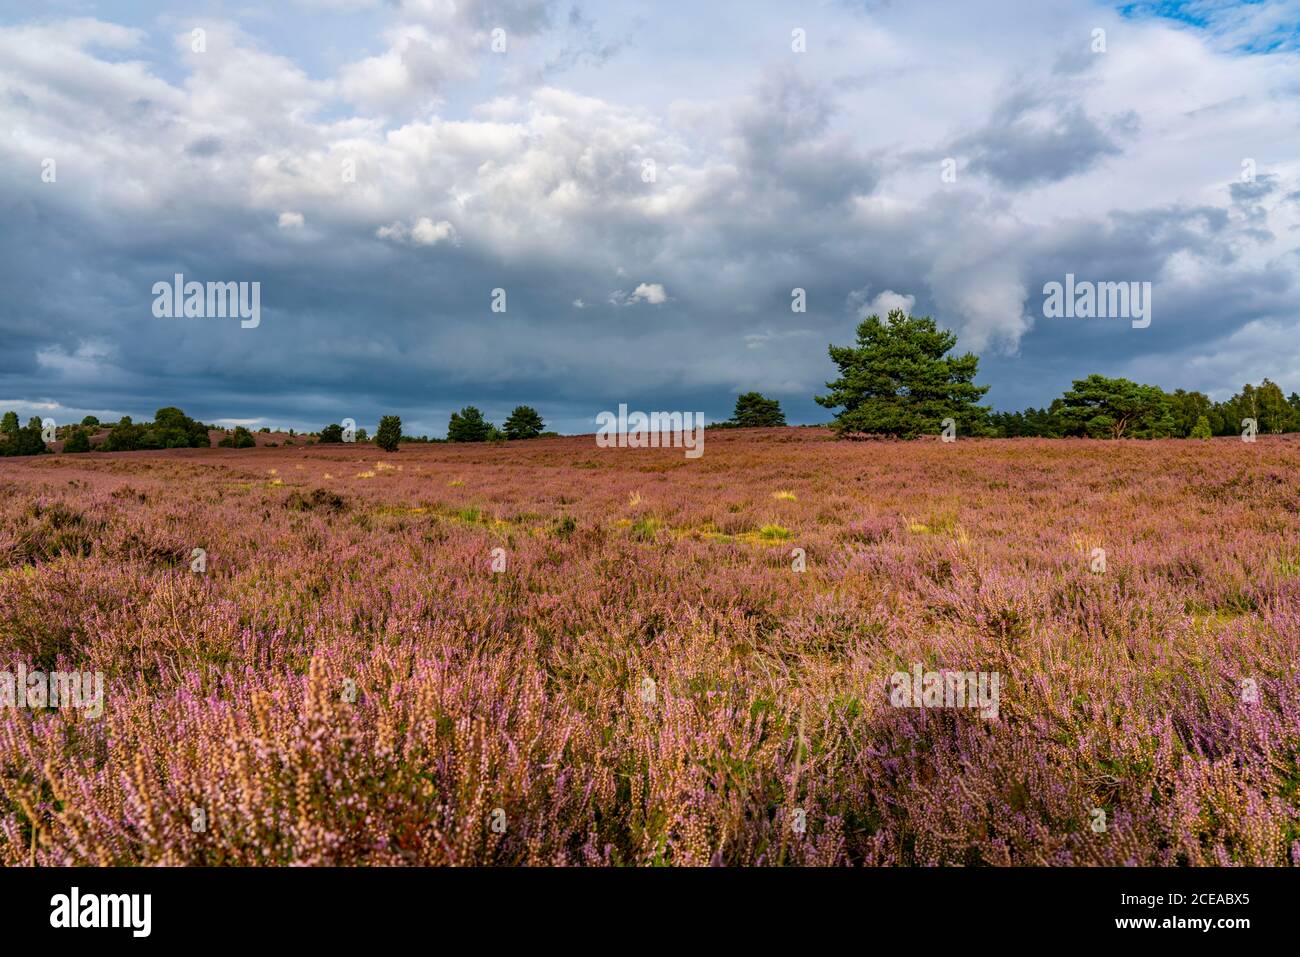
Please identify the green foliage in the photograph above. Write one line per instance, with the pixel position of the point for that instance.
(390, 433)
(332, 433)
(90, 421)
(900, 381)
(123, 437)
(1201, 430)
(240, 439)
(170, 429)
(24, 441)
(1187, 408)
(78, 441)
(754, 411)
(1032, 423)
(173, 429)
(9, 424)
(468, 425)
(1104, 408)
(523, 423)
(1264, 403)
(1269, 406)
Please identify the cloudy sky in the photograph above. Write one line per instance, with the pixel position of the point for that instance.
(647, 182)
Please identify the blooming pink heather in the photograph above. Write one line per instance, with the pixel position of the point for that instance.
(650, 679)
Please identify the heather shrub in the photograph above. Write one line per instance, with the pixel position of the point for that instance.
(318, 499)
(649, 679)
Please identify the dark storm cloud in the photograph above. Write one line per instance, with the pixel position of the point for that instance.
(204, 146)
(1032, 139)
(1263, 185)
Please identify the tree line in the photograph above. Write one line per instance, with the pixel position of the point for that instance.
(466, 425)
(173, 429)
(897, 381)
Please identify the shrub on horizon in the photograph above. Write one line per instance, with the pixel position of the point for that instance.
(756, 411)
(523, 423)
(390, 433)
(78, 441)
(468, 425)
(241, 438)
(25, 441)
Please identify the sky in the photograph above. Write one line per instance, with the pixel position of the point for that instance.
(645, 184)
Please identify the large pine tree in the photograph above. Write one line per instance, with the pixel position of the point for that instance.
(899, 380)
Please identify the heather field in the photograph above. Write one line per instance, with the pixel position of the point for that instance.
(643, 674)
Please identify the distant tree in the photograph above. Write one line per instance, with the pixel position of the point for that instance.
(1187, 408)
(90, 421)
(900, 381)
(1032, 423)
(1264, 403)
(468, 425)
(1104, 408)
(363, 435)
(1275, 414)
(523, 423)
(173, 429)
(241, 438)
(331, 433)
(124, 436)
(390, 433)
(754, 411)
(1042, 423)
(1221, 419)
(78, 440)
(25, 441)
(9, 424)
(1007, 425)
(1201, 430)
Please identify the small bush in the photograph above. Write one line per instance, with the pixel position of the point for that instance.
(318, 499)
